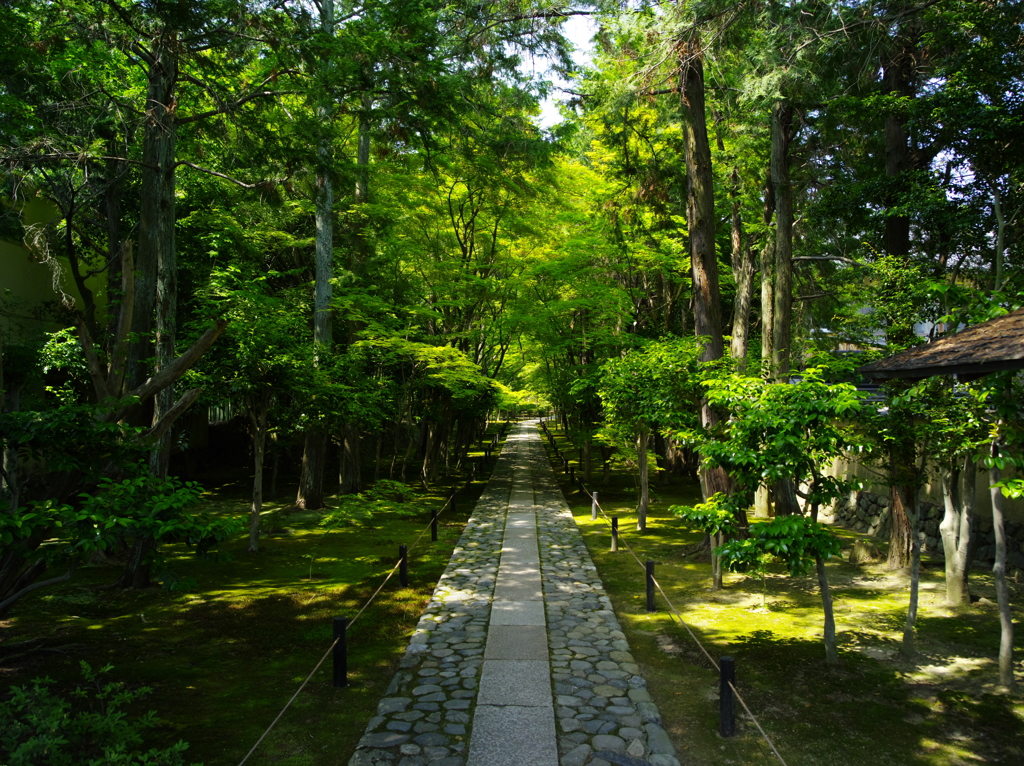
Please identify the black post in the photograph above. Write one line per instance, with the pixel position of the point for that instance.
(340, 653)
(572, 474)
(726, 697)
(433, 524)
(403, 566)
(615, 534)
(455, 492)
(649, 566)
(583, 487)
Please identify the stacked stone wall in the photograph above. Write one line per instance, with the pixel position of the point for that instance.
(869, 514)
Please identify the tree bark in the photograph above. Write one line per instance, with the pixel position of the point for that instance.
(767, 301)
(831, 653)
(782, 314)
(156, 214)
(700, 209)
(915, 574)
(956, 523)
(645, 485)
(900, 532)
(310, 495)
(897, 68)
(350, 476)
(258, 406)
(1006, 679)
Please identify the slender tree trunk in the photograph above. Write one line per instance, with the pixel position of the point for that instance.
(1006, 679)
(997, 208)
(12, 483)
(744, 275)
(910, 505)
(782, 315)
(258, 406)
(350, 478)
(831, 653)
(645, 486)
(314, 459)
(717, 581)
(898, 80)
(767, 301)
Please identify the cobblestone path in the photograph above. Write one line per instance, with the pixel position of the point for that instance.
(518, 659)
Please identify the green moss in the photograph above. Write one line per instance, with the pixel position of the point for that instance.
(936, 710)
(224, 657)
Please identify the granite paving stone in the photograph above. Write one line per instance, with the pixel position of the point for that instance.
(518, 659)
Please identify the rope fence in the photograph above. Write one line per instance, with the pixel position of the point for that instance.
(431, 526)
(617, 537)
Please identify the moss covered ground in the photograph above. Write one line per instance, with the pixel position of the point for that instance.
(940, 708)
(224, 655)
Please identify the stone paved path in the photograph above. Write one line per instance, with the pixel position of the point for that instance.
(518, 659)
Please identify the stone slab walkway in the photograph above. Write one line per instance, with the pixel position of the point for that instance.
(518, 659)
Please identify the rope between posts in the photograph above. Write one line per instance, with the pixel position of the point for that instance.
(348, 625)
(675, 613)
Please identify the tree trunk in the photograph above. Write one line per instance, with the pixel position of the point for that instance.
(950, 529)
(156, 213)
(1006, 679)
(997, 208)
(831, 653)
(700, 210)
(258, 406)
(314, 459)
(12, 482)
(915, 574)
(965, 543)
(350, 475)
(311, 479)
(900, 533)
(782, 315)
(896, 81)
(717, 582)
(139, 567)
(784, 495)
(645, 487)
(767, 301)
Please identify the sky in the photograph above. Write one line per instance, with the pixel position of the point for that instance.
(579, 29)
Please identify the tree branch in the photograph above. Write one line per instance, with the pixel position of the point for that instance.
(171, 372)
(35, 586)
(237, 103)
(243, 184)
(164, 424)
(839, 258)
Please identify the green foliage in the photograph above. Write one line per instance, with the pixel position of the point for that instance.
(778, 431)
(90, 726)
(147, 507)
(794, 540)
(652, 387)
(715, 516)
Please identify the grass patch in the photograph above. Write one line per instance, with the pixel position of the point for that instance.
(941, 709)
(225, 656)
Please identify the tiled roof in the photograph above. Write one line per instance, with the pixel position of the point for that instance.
(991, 346)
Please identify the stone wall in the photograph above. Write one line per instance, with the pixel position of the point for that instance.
(869, 513)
